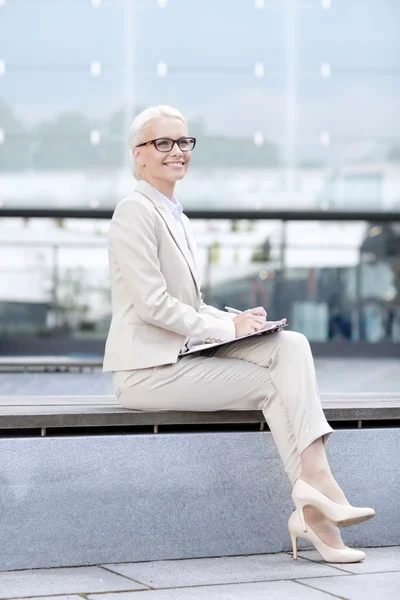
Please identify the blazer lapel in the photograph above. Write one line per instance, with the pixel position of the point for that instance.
(147, 190)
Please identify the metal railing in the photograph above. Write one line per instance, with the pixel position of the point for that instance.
(229, 214)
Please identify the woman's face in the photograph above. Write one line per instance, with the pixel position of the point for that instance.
(165, 166)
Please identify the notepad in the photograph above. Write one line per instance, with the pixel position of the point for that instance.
(269, 327)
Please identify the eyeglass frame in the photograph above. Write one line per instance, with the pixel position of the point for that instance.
(185, 137)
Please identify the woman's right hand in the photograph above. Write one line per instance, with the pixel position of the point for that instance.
(246, 323)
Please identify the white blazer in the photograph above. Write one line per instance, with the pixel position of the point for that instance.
(155, 286)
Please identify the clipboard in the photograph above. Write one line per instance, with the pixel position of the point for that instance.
(269, 327)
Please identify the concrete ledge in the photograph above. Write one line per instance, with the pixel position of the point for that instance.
(27, 412)
(81, 500)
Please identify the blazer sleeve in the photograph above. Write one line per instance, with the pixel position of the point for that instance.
(207, 309)
(133, 239)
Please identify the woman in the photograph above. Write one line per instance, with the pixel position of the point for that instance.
(158, 313)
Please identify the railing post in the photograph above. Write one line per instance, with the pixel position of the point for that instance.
(55, 283)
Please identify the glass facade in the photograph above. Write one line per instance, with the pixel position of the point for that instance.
(295, 102)
(295, 105)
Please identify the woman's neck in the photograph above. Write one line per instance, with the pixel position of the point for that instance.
(167, 188)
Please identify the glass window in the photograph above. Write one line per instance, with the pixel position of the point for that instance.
(298, 109)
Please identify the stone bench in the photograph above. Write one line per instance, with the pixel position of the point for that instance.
(30, 412)
(85, 481)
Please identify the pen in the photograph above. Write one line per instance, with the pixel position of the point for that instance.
(233, 310)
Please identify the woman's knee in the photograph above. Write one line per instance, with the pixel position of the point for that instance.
(293, 339)
(293, 346)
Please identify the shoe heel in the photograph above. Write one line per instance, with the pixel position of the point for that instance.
(300, 509)
(293, 537)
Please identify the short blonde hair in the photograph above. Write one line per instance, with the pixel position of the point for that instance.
(137, 129)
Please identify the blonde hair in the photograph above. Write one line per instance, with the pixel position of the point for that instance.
(137, 129)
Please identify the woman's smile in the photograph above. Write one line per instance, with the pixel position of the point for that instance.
(175, 164)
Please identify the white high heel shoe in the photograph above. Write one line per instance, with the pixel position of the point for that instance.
(342, 515)
(327, 553)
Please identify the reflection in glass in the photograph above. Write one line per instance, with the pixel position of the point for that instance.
(332, 281)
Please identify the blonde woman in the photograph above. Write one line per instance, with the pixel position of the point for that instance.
(158, 312)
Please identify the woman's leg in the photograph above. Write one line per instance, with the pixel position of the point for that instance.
(293, 410)
(207, 382)
(196, 383)
(295, 416)
(211, 381)
(296, 400)
(273, 373)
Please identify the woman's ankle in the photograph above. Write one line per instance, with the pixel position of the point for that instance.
(317, 476)
(325, 483)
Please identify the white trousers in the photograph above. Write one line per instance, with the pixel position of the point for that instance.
(274, 373)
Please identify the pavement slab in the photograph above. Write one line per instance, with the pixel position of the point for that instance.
(276, 590)
(369, 586)
(236, 569)
(68, 580)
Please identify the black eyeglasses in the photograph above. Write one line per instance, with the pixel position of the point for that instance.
(185, 144)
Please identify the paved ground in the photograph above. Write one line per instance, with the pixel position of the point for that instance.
(334, 375)
(257, 577)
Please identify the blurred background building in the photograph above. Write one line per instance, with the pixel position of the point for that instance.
(294, 185)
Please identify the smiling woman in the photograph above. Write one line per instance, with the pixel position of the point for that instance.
(158, 314)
